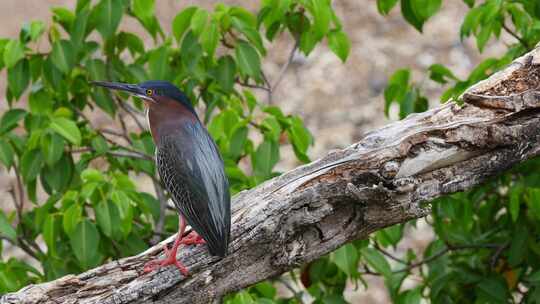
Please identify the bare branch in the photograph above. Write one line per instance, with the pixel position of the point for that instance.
(310, 211)
(513, 34)
(285, 66)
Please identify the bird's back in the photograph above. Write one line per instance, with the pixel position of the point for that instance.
(192, 170)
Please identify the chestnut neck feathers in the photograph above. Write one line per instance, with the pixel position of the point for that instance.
(168, 115)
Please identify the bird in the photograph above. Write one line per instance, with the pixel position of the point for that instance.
(190, 167)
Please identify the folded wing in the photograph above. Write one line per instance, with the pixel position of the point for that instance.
(192, 170)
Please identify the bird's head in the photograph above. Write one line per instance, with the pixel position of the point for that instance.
(154, 93)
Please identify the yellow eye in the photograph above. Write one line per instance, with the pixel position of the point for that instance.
(149, 92)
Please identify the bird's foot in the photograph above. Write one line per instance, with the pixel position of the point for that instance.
(170, 259)
(192, 239)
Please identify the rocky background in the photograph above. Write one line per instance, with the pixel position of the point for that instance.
(339, 102)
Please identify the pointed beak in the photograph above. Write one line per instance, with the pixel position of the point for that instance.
(132, 89)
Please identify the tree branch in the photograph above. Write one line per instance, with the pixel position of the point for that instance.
(310, 211)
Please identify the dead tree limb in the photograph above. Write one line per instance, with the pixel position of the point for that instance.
(386, 178)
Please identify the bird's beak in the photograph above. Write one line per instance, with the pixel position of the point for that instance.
(132, 89)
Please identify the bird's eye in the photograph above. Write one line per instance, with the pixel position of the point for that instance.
(149, 92)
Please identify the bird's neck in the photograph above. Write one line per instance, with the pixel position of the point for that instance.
(167, 118)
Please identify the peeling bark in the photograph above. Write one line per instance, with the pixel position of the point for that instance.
(387, 178)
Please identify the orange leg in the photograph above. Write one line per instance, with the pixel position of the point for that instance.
(192, 239)
(170, 255)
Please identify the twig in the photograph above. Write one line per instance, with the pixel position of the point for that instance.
(448, 248)
(131, 154)
(125, 133)
(297, 295)
(128, 153)
(286, 65)
(268, 85)
(253, 86)
(386, 253)
(513, 34)
(130, 111)
(498, 253)
(162, 208)
(20, 205)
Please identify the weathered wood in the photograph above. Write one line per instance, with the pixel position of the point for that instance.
(386, 178)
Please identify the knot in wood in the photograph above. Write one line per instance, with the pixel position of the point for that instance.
(390, 169)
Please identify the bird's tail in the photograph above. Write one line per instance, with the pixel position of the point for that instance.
(218, 247)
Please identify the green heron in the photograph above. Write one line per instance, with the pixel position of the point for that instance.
(190, 167)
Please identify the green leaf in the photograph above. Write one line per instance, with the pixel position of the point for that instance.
(441, 74)
(84, 242)
(198, 21)
(425, 9)
(63, 56)
(19, 78)
(238, 141)
(408, 13)
(397, 88)
(6, 229)
(99, 144)
(67, 128)
(107, 217)
(209, 38)
(514, 204)
(535, 277)
(31, 163)
(50, 233)
(272, 128)
(182, 21)
(71, 218)
(35, 30)
(494, 289)
(265, 158)
(346, 258)
(385, 6)
(125, 210)
(56, 178)
(225, 72)
(6, 153)
(143, 8)
(11, 119)
(79, 28)
(300, 138)
(484, 35)
(64, 17)
(250, 32)
(266, 289)
(377, 261)
(339, 44)
(471, 22)
(191, 51)
(518, 246)
(108, 15)
(134, 44)
(533, 202)
(320, 9)
(52, 147)
(159, 64)
(248, 60)
(13, 52)
(40, 102)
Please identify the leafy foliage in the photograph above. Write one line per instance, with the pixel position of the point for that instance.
(76, 178)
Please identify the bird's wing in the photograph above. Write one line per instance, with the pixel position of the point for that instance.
(192, 170)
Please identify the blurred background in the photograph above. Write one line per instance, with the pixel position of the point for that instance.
(339, 102)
